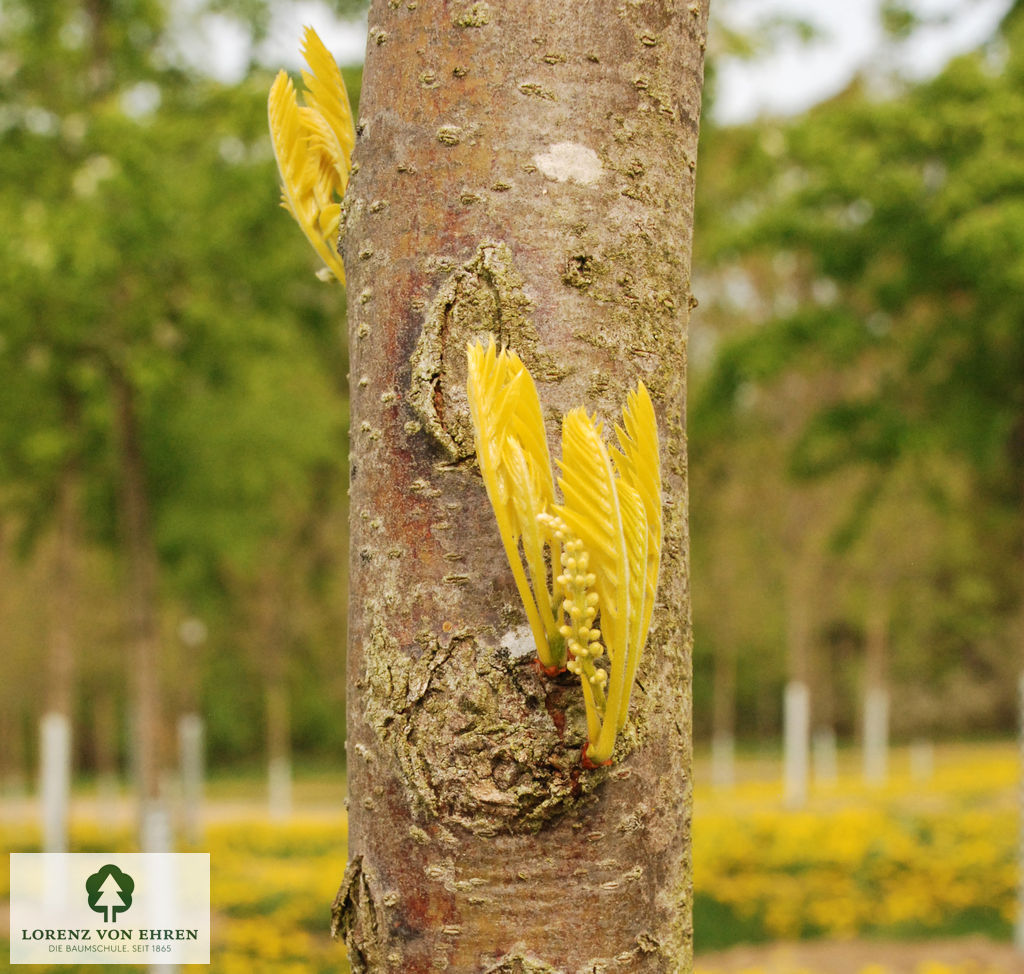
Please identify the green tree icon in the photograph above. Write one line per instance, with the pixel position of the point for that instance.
(110, 892)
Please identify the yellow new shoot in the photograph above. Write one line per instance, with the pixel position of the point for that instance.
(601, 547)
(313, 146)
(512, 451)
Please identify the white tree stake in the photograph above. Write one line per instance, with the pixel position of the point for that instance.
(190, 747)
(280, 788)
(824, 755)
(723, 760)
(922, 759)
(876, 735)
(796, 743)
(55, 780)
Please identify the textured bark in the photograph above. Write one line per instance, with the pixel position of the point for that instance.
(524, 170)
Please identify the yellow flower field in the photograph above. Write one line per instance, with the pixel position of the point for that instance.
(910, 860)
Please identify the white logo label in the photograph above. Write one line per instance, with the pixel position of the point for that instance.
(110, 908)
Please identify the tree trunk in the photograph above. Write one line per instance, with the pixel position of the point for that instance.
(273, 636)
(191, 769)
(876, 692)
(56, 725)
(143, 629)
(105, 737)
(60, 659)
(1018, 930)
(723, 720)
(12, 753)
(279, 751)
(796, 708)
(524, 170)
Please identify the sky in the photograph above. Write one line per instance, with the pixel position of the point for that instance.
(792, 78)
(797, 76)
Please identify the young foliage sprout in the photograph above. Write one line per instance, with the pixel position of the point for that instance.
(599, 550)
(512, 451)
(313, 146)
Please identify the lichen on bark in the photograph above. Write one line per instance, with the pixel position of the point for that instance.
(483, 740)
(354, 917)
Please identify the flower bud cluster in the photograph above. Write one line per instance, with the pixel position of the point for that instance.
(580, 605)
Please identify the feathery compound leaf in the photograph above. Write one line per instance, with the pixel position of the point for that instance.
(634, 530)
(639, 465)
(503, 403)
(593, 513)
(527, 489)
(313, 147)
(591, 505)
(512, 451)
(492, 394)
(327, 96)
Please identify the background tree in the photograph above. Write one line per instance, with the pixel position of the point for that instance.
(193, 387)
(863, 249)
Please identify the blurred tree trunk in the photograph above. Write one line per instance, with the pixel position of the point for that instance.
(271, 637)
(56, 725)
(723, 691)
(823, 680)
(723, 733)
(876, 688)
(797, 702)
(105, 744)
(524, 171)
(12, 750)
(279, 751)
(142, 607)
(61, 657)
(12, 754)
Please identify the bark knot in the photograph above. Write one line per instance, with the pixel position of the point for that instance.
(354, 918)
(485, 296)
(469, 726)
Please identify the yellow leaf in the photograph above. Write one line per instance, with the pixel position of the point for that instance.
(313, 147)
(327, 98)
(593, 513)
(512, 451)
(639, 466)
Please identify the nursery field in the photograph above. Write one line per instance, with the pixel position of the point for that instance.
(917, 877)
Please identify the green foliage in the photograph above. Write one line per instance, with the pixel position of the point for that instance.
(143, 239)
(862, 269)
